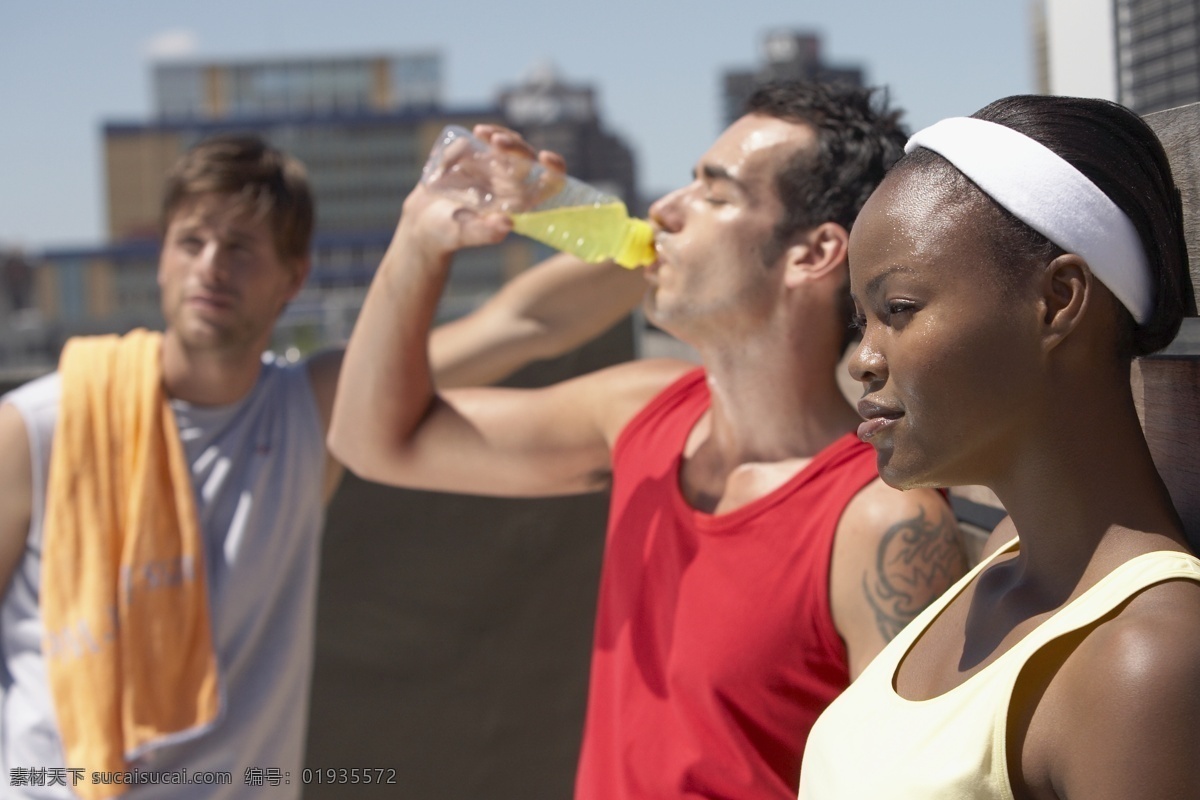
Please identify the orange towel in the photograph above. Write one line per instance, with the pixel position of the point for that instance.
(124, 598)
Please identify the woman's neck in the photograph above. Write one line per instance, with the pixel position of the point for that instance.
(1085, 489)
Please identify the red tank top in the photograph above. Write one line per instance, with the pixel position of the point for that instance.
(714, 649)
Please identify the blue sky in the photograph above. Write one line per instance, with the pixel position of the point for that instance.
(67, 67)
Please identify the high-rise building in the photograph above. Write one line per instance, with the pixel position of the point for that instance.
(1158, 53)
(786, 55)
(1144, 54)
(297, 86)
(1075, 43)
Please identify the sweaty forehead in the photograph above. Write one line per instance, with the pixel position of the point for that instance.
(756, 142)
(933, 201)
(765, 132)
(914, 217)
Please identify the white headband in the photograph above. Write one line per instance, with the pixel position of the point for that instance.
(1049, 195)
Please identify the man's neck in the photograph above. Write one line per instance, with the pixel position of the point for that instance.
(773, 400)
(771, 413)
(208, 377)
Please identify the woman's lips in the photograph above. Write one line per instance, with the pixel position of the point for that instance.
(878, 417)
(873, 426)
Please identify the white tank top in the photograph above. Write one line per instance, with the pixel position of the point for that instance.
(258, 472)
(872, 743)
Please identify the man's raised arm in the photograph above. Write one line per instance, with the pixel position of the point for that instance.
(390, 424)
(545, 311)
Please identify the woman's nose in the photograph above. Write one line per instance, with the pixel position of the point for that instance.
(867, 364)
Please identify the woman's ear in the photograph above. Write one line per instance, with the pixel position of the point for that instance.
(816, 253)
(1066, 288)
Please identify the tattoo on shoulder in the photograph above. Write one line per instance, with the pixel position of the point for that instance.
(917, 560)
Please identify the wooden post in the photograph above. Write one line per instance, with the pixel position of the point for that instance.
(1167, 386)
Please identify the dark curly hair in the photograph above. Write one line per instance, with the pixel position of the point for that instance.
(858, 139)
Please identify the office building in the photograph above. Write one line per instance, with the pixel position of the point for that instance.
(297, 86)
(1075, 47)
(1158, 53)
(786, 55)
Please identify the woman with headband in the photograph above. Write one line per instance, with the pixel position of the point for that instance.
(1005, 273)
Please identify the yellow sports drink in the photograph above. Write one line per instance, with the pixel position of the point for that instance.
(555, 209)
(600, 232)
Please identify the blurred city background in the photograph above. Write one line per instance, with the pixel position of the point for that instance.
(101, 98)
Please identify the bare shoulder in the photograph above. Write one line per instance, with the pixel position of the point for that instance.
(915, 527)
(16, 487)
(621, 391)
(879, 507)
(648, 376)
(1119, 717)
(1149, 646)
(15, 460)
(895, 552)
(324, 368)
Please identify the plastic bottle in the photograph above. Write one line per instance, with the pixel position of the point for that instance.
(554, 209)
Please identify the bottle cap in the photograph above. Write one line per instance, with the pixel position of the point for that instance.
(637, 246)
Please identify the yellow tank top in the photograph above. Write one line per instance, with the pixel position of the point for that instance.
(873, 743)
